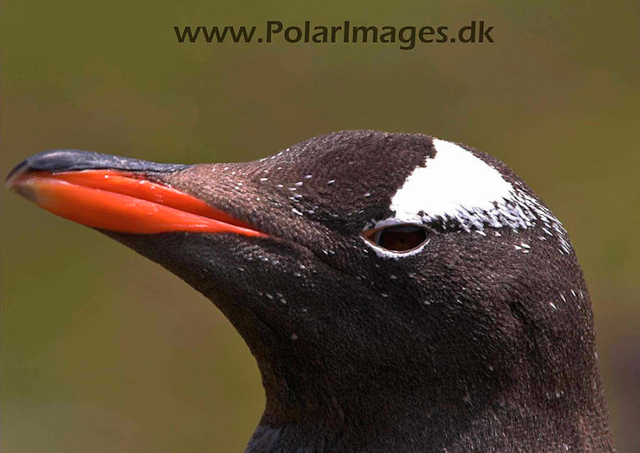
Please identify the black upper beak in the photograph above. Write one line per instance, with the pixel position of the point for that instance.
(59, 160)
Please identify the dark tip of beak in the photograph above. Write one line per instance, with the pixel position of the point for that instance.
(59, 160)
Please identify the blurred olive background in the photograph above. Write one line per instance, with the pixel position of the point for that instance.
(103, 351)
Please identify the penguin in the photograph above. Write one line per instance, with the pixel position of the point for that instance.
(399, 292)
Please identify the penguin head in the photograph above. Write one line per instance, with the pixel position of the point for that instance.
(383, 264)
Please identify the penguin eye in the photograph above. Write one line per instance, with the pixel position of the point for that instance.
(399, 238)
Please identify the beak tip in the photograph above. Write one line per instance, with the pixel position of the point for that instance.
(19, 170)
(47, 160)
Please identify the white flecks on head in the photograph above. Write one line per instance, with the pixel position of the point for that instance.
(456, 186)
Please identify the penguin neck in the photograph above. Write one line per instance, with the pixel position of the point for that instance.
(507, 410)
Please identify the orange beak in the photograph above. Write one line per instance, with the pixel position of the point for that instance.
(121, 201)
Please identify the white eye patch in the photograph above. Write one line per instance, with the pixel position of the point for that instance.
(452, 184)
(456, 186)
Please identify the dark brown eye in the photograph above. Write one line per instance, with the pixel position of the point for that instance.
(400, 238)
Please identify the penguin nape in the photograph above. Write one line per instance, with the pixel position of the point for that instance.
(400, 293)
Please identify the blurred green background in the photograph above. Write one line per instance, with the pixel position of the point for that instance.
(103, 351)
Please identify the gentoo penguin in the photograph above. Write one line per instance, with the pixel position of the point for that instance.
(400, 293)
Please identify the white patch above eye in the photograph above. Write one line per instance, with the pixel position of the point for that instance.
(453, 182)
(457, 186)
